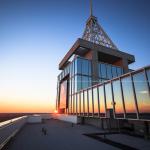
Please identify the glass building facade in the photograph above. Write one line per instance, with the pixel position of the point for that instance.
(127, 95)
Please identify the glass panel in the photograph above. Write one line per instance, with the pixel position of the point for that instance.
(119, 71)
(72, 104)
(63, 95)
(69, 104)
(90, 68)
(82, 103)
(70, 86)
(75, 65)
(85, 103)
(75, 104)
(114, 72)
(142, 95)
(79, 83)
(79, 64)
(90, 102)
(119, 111)
(103, 71)
(108, 96)
(73, 68)
(84, 66)
(95, 101)
(90, 82)
(148, 75)
(128, 97)
(101, 101)
(109, 73)
(78, 103)
(75, 84)
(85, 82)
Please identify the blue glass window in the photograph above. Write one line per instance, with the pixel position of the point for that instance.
(109, 73)
(79, 65)
(142, 95)
(90, 68)
(114, 71)
(85, 82)
(103, 71)
(85, 67)
(119, 71)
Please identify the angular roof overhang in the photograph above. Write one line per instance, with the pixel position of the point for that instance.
(81, 47)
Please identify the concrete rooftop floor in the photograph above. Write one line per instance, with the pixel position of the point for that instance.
(61, 135)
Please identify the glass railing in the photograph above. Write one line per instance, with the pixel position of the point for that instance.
(128, 96)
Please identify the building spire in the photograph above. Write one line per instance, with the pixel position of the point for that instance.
(91, 10)
(95, 33)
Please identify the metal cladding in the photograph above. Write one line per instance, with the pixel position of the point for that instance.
(95, 33)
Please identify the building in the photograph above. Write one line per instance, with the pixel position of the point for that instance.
(97, 84)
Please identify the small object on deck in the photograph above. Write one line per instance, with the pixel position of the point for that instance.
(44, 131)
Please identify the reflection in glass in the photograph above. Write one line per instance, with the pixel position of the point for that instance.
(108, 96)
(79, 86)
(119, 111)
(75, 104)
(142, 95)
(69, 104)
(82, 103)
(63, 95)
(85, 67)
(72, 83)
(90, 81)
(114, 72)
(79, 63)
(95, 101)
(85, 82)
(101, 101)
(72, 104)
(103, 71)
(90, 102)
(128, 97)
(78, 103)
(85, 103)
(148, 75)
(109, 73)
(90, 68)
(119, 71)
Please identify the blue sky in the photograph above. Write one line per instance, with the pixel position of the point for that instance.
(35, 35)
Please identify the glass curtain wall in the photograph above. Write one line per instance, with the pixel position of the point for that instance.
(108, 71)
(128, 96)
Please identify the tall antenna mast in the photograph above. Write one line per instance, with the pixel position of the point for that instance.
(91, 11)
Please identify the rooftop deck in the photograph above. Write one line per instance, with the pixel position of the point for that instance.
(62, 135)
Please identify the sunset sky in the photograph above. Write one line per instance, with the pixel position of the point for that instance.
(36, 34)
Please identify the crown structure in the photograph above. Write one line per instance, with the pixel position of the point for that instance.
(95, 33)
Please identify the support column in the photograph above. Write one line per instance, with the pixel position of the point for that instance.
(95, 73)
(125, 65)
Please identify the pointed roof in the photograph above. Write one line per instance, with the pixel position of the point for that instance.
(95, 33)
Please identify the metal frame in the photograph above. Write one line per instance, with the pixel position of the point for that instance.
(95, 33)
(112, 92)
